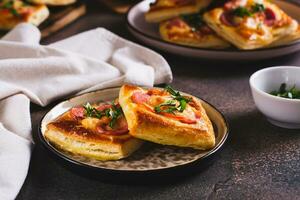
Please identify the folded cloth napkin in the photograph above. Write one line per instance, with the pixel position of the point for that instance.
(30, 72)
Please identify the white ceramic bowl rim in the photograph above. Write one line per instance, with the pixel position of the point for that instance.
(266, 94)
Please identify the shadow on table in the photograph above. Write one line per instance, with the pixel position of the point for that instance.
(252, 133)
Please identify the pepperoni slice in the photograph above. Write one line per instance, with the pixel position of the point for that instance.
(103, 107)
(270, 17)
(100, 129)
(77, 112)
(181, 118)
(140, 97)
(206, 30)
(5, 11)
(183, 2)
(177, 22)
(121, 131)
(227, 19)
(230, 5)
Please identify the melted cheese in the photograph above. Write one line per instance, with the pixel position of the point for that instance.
(251, 23)
(189, 111)
(165, 3)
(90, 123)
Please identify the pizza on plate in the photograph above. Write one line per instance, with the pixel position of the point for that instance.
(191, 30)
(96, 131)
(165, 116)
(13, 12)
(161, 10)
(53, 2)
(250, 24)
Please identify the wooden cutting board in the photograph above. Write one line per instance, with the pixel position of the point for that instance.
(59, 18)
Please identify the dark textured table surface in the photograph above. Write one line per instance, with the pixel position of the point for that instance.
(258, 161)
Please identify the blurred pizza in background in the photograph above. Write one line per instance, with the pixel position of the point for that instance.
(48, 15)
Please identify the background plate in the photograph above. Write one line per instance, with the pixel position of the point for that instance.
(150, 156)
(148, 33)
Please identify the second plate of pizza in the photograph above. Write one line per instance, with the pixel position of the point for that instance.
(132, 129)
(227, 30)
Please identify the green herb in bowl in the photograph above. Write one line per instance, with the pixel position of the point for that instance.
(291, 93)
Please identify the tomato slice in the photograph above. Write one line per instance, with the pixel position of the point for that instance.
(77, 112)
(227, 19)
(197, 114)
(180, 118)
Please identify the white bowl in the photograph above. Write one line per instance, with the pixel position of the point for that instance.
(279, 111)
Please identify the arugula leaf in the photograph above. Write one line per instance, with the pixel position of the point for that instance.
(170, 106)
(182, 105)
(172, 91)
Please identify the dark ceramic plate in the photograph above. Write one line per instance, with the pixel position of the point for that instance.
(150, 157)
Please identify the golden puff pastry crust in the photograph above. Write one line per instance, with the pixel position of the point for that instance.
(287, 39)
(162, 10)
(182, 129)
(18, 12)
(251, 30)
(81, 135)
(178, 31)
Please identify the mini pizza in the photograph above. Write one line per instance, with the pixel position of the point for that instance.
(161, 10)
(166, 117)
(250, 24)
(95, 131)
(13, 12)
(191, 31)
(53, 2)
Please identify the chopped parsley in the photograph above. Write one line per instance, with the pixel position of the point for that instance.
(245, 12)
(258, 8)
(242, 12)
(114, 113)
(194, 20)
(171, 106)
(291, 93)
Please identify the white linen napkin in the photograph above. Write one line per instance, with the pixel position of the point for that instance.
(32, 72)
